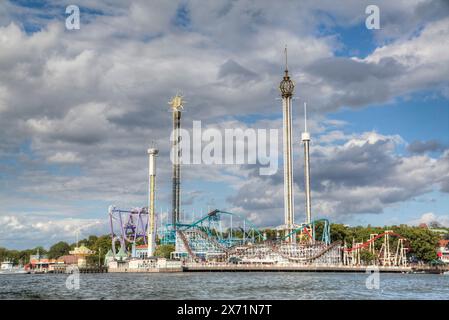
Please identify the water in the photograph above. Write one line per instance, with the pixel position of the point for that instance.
(232, 285)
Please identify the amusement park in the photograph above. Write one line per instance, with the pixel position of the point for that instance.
(222, 240)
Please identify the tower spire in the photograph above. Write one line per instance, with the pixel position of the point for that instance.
(305, 116)
(286, 64)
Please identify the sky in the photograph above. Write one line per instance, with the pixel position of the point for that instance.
(79, 108)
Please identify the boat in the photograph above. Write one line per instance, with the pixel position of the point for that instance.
(7, 267)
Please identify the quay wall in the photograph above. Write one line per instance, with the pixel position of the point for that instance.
(148, 270)
(288, 268)
(257, 268)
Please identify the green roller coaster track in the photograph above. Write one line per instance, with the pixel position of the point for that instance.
(325, 237)
(205, 224)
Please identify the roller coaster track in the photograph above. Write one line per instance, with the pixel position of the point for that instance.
(186, 245)
(208, 238)
(230, 251)
(211, 239)
(233, 250)
(365, 244)
(286, 256)
(243, 248)
(304, 229)
(216, 212)
(316, 256)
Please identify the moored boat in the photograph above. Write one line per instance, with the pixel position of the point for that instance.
(7, 267)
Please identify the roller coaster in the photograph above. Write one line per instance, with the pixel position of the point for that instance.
(222, 236)
(211, 235)
(384, 256)
(212, 239)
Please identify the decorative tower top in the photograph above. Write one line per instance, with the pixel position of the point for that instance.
(177, 103)
(153, 151)
(287, 85)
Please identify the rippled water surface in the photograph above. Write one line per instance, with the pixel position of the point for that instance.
(233, 285)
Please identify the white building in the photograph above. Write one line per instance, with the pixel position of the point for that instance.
(443, 251)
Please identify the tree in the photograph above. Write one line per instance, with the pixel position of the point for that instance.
(164, 251)
(423, 242)
(102, 246)
(435, 225)
(367, 257)
(338, 232)
(59, 249)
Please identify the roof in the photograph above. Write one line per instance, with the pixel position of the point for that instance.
(443, 243)
(68, 259)
(82, 250)
(42, 261)
(142, 246)
(109, 254)
(121, 254)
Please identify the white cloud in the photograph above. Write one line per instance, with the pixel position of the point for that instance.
(430, 217)
(421, 55)
(363, 174)
(28, 231)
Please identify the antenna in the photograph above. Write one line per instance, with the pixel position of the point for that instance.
(285, 51)
(305, 117)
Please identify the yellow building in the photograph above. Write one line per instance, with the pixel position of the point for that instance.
(81, 253)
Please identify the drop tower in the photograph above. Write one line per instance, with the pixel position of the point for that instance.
(287, 87)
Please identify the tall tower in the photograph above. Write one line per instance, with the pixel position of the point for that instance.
(287, 86)
(305, 137)
(152, 154)
(177, 106)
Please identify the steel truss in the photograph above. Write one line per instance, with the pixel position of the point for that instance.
(128, 227)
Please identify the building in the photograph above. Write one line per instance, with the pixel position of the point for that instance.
(109, 256)
(40, 263)
(141, 251)
(67, 260)
(81, 253)
(443, 251)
